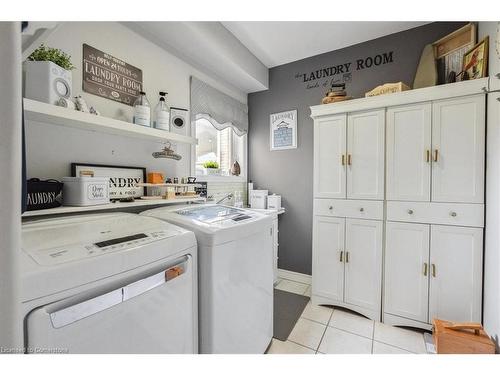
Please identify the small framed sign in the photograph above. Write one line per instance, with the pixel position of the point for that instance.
(283, 127)
(123, 180)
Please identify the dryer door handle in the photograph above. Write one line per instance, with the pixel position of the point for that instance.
(84, 309)
(144, 285)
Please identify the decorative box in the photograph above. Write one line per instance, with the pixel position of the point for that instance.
(155, 178)
(461, 338)
(85, 191)
(258, 199)
(387, 88)
(274, 202)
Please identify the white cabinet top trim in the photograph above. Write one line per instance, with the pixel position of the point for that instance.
(451, 90)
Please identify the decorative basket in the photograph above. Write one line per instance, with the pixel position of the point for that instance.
(43, 194)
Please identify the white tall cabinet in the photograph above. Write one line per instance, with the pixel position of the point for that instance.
(399, 204)
(349, 158)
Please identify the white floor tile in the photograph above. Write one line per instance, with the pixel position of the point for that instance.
(307, 333)
(292, 286)
(352, 323)
(288, 347)
(402, 338)
(381, 348)
(337, 341)
(320, 314)
(308, 291)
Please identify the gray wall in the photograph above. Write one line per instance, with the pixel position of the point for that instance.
(290, 172)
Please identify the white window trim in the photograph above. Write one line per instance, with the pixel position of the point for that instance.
(203, 178)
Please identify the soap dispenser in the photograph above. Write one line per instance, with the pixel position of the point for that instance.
(162, 113)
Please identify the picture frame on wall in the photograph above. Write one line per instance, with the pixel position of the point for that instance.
(283, 130)
(449, 51)
(475, 62)
(123, 180)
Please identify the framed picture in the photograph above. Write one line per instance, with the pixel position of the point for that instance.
(283, 128)
(123, 180)
(449, 51)
(476, 60)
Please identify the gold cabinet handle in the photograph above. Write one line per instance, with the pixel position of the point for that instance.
(425, 269)
(435, 155)
(347, 257)
(341, 256)
(343, 159)
(428, 156)
(433, 268)
(349, 161)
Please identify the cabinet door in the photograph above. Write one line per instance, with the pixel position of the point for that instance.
(328, 251)
(406, 271)
(365, 155)
(458, 150)
(408, 153)
(456, 273)
(363, 263)
(329, 157)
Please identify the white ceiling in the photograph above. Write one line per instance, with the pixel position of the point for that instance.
(277, 43)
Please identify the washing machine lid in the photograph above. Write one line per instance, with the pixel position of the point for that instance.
(67, 252)
(55, 241)
(213, 223)
(214, 214)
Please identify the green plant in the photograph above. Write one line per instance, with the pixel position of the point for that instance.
(55, 55)
(211, 164)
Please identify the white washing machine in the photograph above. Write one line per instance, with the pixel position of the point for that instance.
(235, 285)
(109, 283)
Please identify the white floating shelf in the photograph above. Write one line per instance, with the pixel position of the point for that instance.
(110, 206)
(146, 184)
(55, 115)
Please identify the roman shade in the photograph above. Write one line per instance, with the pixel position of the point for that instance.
(219, 109)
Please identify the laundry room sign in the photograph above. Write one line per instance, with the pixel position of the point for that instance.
(283, 130)
(342, 73)
(107, 76)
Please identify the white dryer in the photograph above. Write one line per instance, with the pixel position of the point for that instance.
(109, 283)
(235, 257)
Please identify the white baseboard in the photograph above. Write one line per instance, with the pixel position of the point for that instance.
(294, 276)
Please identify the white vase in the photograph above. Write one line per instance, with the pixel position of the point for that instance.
(46, 82)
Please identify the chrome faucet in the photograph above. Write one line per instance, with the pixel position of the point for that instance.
(225, 197)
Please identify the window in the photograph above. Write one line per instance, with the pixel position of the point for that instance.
(221, 146)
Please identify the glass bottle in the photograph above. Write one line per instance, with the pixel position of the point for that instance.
(238, 201)
(142, 110)
(162, 113)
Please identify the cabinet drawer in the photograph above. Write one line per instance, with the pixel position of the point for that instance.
(463, 214)
(357, 209)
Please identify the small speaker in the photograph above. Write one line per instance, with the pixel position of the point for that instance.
(179, 121)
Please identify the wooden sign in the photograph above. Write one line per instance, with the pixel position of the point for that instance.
(107, 76)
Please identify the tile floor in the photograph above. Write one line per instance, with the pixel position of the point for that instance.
(328, 330)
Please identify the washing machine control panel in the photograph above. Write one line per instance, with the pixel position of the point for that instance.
(109, 244)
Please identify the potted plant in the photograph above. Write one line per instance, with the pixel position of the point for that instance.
(211, 168)
(48, 75)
